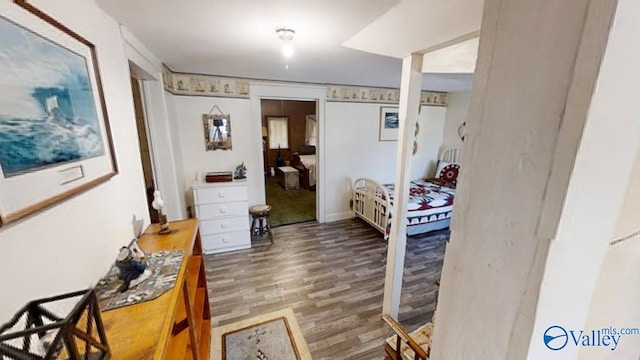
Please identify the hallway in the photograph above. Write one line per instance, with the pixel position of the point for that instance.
(332, 275)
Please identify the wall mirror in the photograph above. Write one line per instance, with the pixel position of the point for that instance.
(217, 131)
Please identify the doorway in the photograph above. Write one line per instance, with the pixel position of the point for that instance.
(143, 142)
(289, 147)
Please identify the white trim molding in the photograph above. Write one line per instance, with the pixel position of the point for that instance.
(339, 216)
(261, 91)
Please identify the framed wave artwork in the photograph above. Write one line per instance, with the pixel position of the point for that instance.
(389, 124)
(55, 140)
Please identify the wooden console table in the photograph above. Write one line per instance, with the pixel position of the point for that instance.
(176, 325)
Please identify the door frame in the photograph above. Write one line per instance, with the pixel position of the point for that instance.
(318, 94)
(163, 146)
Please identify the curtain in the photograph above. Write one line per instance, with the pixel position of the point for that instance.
(278, 133)
(310, 130)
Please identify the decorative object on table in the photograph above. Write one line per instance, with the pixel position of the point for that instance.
(158, 204)
(218, 176)
(163, 266)
(54, 127)
(36, 332)
(389, 123)
(132, 266)
(241, 172)
(138, 226)
(217, 130)
(273, 336)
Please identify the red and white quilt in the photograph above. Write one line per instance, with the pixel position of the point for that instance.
(428, 202)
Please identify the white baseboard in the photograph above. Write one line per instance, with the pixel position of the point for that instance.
(338, 216)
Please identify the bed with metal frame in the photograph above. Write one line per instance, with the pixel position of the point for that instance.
(372, 202)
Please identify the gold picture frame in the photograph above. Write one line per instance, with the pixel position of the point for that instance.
(217, 132)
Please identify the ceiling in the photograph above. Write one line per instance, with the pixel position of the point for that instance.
(237, 38)
(419, 26)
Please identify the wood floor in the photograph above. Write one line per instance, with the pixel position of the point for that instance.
(332, 275)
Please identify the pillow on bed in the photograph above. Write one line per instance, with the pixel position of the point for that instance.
(448, 172)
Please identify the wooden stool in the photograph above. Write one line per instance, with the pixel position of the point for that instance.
(260, 215)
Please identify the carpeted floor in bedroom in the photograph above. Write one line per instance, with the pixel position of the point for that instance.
(289, 206)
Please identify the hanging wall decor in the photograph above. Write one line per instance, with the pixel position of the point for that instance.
(55, 139)
(217, 130)
(389, 123)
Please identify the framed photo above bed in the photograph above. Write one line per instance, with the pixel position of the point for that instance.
(55, 139)
(389, 123)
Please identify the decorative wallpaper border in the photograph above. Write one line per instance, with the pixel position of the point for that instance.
(218, 86)
(340, 93)
(204, 85)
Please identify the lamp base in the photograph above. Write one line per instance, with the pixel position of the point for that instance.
(167, 230)
(164, 225)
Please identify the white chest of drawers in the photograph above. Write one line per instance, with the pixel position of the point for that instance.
(223, 211)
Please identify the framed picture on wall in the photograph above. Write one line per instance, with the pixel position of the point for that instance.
(389, 123)
(217, 131)
(55, 139)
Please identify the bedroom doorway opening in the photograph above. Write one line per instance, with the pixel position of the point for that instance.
(289, 148)
(146, 156)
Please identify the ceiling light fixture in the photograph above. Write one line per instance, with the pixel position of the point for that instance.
(287, 50)
(286, 35)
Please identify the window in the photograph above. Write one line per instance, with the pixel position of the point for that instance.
(310, 130)
(278, 132)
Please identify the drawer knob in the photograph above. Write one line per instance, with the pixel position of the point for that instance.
(223, 210)
(224, 225)
(224, 240)
(220, 195)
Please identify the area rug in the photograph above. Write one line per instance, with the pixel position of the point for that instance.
(273, 336)
(164, 266)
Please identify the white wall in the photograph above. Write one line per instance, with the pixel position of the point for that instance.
(457, 111)
(187, 119)
(163, 144)
(353, 150)
(594, 210)
(174, 134)
(616, 295)
(70, 246)
(495, 259)
(146, 66)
